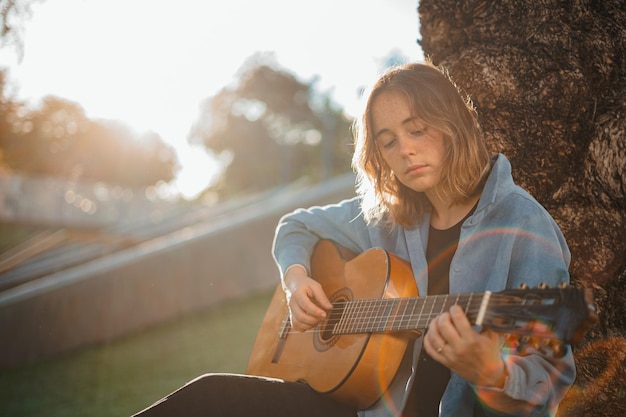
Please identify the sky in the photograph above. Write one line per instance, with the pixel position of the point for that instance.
(151, 63)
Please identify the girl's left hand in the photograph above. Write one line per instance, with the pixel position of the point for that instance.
(475, 357)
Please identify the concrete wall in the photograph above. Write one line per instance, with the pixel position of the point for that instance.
(186, 271)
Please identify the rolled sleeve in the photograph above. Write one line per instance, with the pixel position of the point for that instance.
(534, 385)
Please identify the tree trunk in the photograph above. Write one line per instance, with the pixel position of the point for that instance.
(548, 79)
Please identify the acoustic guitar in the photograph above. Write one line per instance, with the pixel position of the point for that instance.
(354, 354)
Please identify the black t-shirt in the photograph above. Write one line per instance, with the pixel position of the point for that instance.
(432, 378)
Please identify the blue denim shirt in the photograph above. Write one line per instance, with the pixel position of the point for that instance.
(509, 240)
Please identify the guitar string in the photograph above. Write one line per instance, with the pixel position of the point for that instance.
(356, 319)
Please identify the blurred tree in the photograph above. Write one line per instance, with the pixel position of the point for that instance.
(59, 140)
(12, 14)
(548, 78)
(274, 128)
(8, 108)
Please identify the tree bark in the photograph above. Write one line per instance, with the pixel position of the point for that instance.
(548, 79)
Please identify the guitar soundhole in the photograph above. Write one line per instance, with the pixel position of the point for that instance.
(326, 337)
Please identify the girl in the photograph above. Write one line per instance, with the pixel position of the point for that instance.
(430, 193)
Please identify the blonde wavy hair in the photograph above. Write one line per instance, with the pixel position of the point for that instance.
(436, 101)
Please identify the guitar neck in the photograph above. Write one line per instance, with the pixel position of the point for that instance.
(402, 314)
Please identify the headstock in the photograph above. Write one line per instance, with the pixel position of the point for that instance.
(543, 318)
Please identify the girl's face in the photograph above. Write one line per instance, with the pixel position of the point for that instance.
(413, 151)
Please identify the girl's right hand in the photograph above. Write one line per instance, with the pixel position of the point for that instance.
(307, 302)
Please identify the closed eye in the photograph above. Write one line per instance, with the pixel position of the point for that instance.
(389, 143)
(415, 127)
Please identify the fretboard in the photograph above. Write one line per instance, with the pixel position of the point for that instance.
(401, 314)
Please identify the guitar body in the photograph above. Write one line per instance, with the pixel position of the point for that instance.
(353, 368)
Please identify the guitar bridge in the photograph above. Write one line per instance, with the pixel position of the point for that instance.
(282, 339)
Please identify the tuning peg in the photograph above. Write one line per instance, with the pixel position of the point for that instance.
(559, 350)
(511, 340)
(523, 286)
(563, 285)
(548, 342)
(535, 343)
(543, 285)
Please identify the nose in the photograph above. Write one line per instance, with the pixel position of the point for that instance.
(407, 145)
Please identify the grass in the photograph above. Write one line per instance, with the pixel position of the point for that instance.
(125, 376)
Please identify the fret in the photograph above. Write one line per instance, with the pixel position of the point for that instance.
(381, 311)
(402, 324)
(344, 322)
(367, 309)
(392, 323)
(419, 317)
(467, 307)
(383, 318)
(444, 305)
(353, 311)
(432, 309)
(391, 306)
(410, 325)
(367, 313)
(456, 301)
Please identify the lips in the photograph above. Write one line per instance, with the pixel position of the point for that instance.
(414, 169)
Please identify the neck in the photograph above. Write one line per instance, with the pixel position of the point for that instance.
(445, 214)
